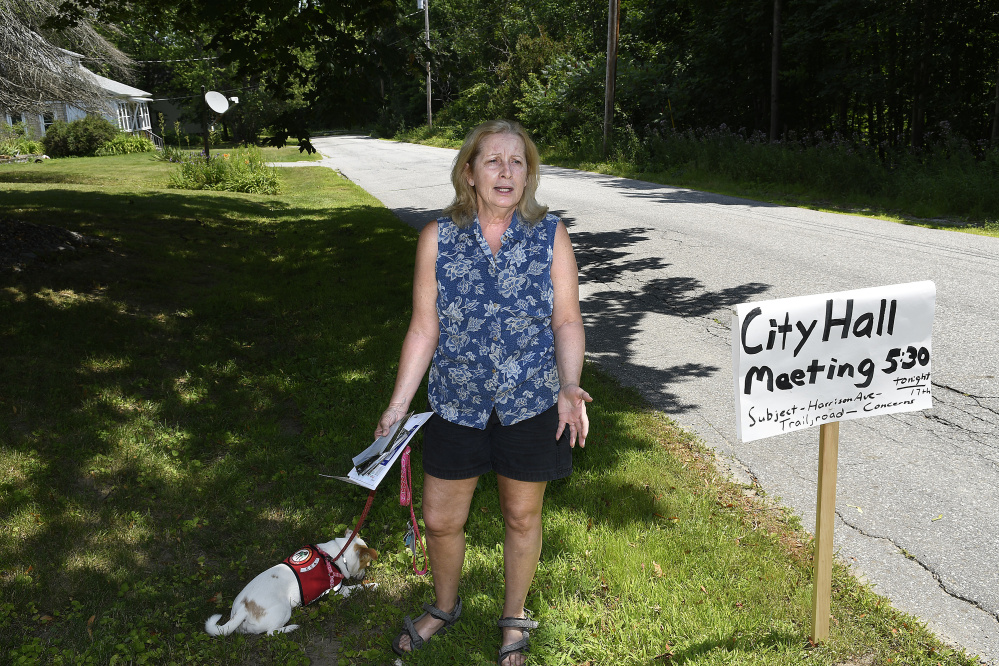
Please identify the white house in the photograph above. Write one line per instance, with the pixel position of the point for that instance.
(126, 107)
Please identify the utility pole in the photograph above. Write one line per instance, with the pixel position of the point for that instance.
(425, 6)
(204, 122)
(613, 24)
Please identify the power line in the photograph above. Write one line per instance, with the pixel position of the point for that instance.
(230, 90)
(180, 60)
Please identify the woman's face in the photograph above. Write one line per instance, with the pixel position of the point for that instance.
(499, 174)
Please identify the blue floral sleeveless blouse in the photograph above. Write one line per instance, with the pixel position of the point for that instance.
(496, 347)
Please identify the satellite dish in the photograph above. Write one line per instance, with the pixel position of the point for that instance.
(216, 101)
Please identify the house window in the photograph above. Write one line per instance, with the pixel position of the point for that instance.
(144, 117)
(14, 118)
(124, 117)
(47, 119)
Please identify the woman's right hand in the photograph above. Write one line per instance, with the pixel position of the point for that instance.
(389, 418)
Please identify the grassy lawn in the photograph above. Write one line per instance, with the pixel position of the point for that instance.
(168, 401)
(289, 153)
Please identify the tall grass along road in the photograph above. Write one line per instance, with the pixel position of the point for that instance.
(171, 391)
(660, 268)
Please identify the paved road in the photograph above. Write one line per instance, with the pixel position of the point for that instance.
(660, 268)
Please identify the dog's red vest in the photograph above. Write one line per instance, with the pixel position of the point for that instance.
(315, 577)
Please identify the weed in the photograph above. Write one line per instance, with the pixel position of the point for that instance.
(241, 170)
(124, 144)
(18, 139)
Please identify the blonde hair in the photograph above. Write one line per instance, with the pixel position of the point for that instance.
(464, 207)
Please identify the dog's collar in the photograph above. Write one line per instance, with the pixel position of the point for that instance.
(329, 558)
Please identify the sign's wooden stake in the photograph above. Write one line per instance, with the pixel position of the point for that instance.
(825, 514)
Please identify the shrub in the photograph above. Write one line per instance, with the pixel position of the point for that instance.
(18, 140)
(124, 144)
(946, 177)
(240, 170)
(56, 140)
(79, 138)
(563, 101)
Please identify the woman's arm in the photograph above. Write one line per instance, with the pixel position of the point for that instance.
(424, 330)
(570, 340)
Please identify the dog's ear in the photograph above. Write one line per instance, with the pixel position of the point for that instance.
(366, 555)
(347, 533)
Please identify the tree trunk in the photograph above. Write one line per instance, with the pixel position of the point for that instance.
(924, 46)
(613, 21)
(774, 70)
(995, 117)
(426, 24)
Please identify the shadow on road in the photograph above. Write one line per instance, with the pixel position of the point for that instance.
(653, 191)
(417, 217)
(632, 288)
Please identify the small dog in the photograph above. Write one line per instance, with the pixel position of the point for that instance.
(265, 604)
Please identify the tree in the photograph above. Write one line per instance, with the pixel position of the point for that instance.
(332, 48)
(34, 68)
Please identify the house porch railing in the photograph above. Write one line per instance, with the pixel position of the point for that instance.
(155, 138)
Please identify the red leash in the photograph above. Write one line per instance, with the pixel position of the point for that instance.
(357, 528)
(406, 499)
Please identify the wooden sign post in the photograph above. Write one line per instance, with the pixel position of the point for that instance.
(817, 360)
(825, 515)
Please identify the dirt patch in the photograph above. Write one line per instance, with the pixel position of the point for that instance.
(24, 243)
(323, 651)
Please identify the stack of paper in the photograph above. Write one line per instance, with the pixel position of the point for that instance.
(373, 463)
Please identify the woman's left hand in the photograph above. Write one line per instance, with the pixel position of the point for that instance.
(572, 413)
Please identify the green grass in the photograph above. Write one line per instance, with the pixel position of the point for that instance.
(798, 196)
(947, 191)
(932, 215)
(287, 153)
(168, 402)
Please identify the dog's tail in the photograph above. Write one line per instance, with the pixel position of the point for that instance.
(213, 627)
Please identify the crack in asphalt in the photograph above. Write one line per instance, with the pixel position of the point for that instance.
(984, 440)
(936, 576)
(978, 403)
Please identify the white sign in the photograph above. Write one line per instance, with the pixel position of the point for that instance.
(801, 362)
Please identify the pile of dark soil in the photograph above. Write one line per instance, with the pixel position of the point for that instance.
(23, 243)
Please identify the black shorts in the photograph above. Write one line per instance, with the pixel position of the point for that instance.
(524, 451)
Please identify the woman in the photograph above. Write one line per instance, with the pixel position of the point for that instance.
(496, 318)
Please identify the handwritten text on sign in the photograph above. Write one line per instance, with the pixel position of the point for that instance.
(801, 362)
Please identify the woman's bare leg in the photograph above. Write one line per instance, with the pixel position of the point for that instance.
(445, 510)
(521, 503)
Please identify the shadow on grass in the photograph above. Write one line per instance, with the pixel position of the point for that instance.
(169, 401)
(50, 206)
(735, 645)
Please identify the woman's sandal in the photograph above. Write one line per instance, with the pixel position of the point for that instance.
(522, 623)
(415, 640)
